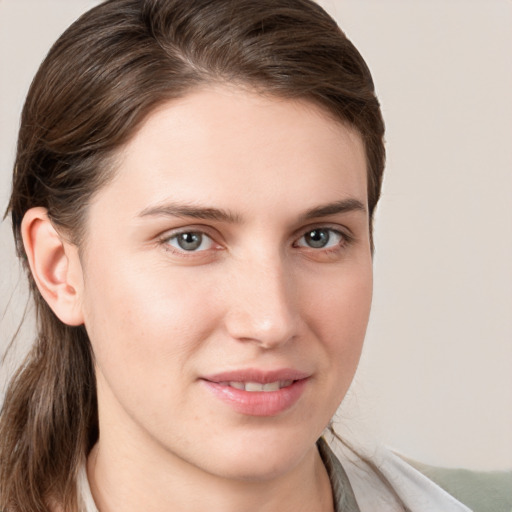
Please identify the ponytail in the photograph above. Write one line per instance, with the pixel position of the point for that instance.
(49, 419)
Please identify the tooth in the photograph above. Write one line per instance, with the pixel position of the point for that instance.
(253, 386)
(256, 386)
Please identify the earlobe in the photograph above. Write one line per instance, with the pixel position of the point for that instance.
(55, 266)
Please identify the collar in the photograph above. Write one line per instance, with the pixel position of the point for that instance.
(342, 493)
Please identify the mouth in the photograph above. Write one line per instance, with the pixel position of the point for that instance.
(258, 393)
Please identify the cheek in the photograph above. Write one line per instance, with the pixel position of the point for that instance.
(339, 313)
(143, 315)
(146, 328)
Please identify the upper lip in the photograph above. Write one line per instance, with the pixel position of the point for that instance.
(257, 375)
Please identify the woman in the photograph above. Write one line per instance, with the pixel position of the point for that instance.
(193, 198)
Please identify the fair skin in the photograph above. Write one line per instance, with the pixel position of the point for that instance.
(270, 282)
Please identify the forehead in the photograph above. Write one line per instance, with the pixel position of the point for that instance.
(225, 143)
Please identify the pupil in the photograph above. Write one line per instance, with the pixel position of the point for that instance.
(317, 238)
(189, 241)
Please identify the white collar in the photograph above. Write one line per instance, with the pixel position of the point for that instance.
(85, 499)
(417, 492)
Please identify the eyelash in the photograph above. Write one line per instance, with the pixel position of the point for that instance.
(344, 240)
(167, 239)
(165, 242)
(341, 240)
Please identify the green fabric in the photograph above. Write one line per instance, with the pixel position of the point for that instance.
(481, 491)
(343, 495)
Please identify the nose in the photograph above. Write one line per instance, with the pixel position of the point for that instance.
(262, 304)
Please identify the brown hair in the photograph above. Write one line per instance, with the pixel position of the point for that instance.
(103, 76)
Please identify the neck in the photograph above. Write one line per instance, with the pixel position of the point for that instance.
(120, 481)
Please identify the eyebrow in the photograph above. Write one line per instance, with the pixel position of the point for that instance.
(220, 215)
(343, 206)
(189, 210)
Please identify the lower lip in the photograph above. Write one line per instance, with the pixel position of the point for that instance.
(258, 403)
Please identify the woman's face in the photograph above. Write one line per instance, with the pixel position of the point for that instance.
(227, 281)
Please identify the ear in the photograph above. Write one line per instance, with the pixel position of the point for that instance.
(55, 266)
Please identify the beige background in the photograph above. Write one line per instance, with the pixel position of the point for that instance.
(435, 381)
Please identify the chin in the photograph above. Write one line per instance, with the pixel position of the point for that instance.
(260, 456)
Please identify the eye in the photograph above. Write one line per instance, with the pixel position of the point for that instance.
(190, 241)
(320, 238)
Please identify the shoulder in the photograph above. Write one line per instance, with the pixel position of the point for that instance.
(412, 489)
(385, 481)
(482, 491)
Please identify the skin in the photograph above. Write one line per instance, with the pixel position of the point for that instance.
(255, 294)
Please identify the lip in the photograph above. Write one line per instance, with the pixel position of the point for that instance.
(258, 403)
(257, 375)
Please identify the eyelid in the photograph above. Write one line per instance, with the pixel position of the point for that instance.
(204, 231)
(189, 228)
(345, 232)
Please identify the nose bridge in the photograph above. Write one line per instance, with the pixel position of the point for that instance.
(263, 305)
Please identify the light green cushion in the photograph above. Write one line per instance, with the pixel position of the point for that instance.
(481, 491)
